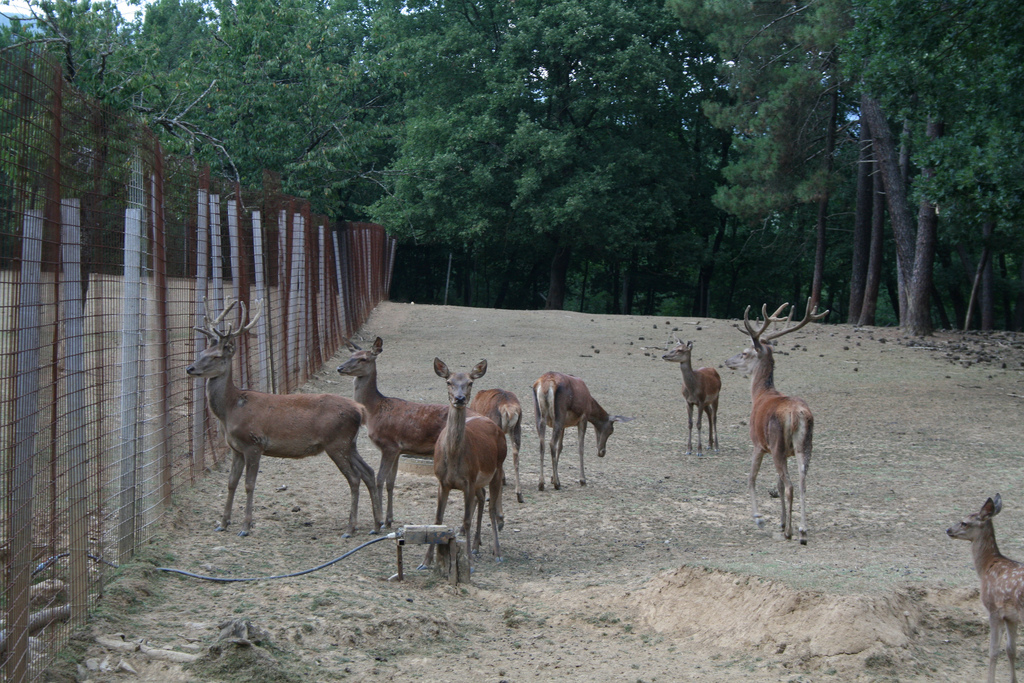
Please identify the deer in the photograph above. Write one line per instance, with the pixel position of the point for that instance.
(504, 409)
(779, 424)
(394, 425)
(1002, 582)
(468, 456)
(292, 426)
(561, 401)
(700, 389)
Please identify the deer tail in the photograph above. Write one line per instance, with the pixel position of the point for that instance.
(510, 416)
(803, 434)
(546, 401)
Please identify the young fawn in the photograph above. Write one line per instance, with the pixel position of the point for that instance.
(1002, 582)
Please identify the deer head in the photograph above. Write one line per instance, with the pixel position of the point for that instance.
(460, 384)
(972, 526)
(215, 360)
(361, 363)
(680, 353)
(760, 346)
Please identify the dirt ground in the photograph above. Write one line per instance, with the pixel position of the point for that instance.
(653, 571)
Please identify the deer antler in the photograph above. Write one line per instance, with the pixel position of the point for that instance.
(768, 319)
(809, 316)
(209, 327)
(254, 318)
(244, 328)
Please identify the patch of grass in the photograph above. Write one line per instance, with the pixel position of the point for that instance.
(514, 618)
(879, 660)
(235, 663)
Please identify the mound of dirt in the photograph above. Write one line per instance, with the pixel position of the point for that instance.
(729, 610)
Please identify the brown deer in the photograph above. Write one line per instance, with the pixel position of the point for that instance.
(468, 456)
(700, 388)
(1002, 582)
(779, 424)
(394, 425)
(504, 409)
(292, 426)
(561, 401)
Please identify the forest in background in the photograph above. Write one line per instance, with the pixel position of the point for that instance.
(679, 157)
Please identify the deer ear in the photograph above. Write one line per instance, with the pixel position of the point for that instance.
(991, 508)
(441, 370)
(378, 346)
(352, 346)
(689, 344)
(479, 370)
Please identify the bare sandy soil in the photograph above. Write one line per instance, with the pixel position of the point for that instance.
(654, 570)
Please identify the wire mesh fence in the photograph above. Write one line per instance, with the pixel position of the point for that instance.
(110, 255)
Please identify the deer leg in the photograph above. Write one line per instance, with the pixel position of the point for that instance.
(497, 520)
(540, 432)
(713, 423)
(442, 502)
(356, 470)
(785, 493)
(237, 467)
(755, 465)
(582, 432)
(689, 430)
(802, 462)
(517, 437)
(700, 419)
(995, 638)
(252, 468)
(469, 495)
(557, 434)
(386, 474)
(1011, 648)
(479, 520)
(392, 475)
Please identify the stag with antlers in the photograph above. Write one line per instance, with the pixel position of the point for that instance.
(779, 424)
(292, 426)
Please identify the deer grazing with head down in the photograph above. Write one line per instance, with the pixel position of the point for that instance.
(291, 426)
(779, 424)
(700, 389)
(394, 425)
(468, 456)
(561, 401)
(1002, 582)
(504, 409)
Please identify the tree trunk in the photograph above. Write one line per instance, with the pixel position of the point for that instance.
(628, 287)
(820, 241)
(916, 253)
(1004, 273)
(702, 292)
(861, 227)
(876, 250)
(919, 313)
(987, 301)
(559, 273)
(1018, 313)
(940, 307)
(583, 288)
